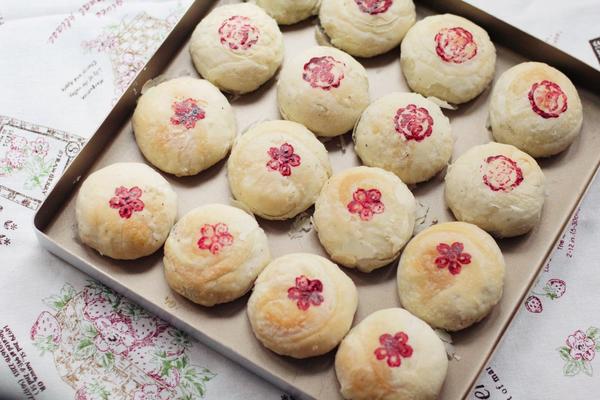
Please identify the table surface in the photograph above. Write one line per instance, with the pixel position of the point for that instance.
(63, 67)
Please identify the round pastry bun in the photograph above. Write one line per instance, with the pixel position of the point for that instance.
(366, 28)
(391, 355)
(406, 134)
(498, 188)
(324, 89)
(448, 57)
(451, 275)
(184, 126)
(364, 216)
(288, 12)
(125, 211)
(214, 254)
(302, 305)
(238, 47)
(536, 108)
(277, 169)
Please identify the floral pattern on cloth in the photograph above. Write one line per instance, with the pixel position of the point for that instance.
(187, 113)
(452, 256)
(29, 156)
(283, 159)
(306, 292)
(214, 237)
(393, 349)
(580, 351)
(324, 72)
(104, 345)
(374, 7)
(455, 45)
(238, 33)
(414, 123)
(366, 203)
(547, 99)
(127, 201)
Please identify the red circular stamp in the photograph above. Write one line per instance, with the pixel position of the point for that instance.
(413, 122)
(547, 99)
(324, 72)
(501, 174)
(455, 45)
(374, 7)
(238, 33)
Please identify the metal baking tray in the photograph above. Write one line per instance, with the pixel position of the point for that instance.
(226, 327)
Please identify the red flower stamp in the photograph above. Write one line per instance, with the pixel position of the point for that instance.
(455, 45)
(374, 7)
(215, 237)
(238, 33)
(547, 99)
(501, 174)
(283, 159)
(324, 72)
(366, 203)
(413, 122)
(452, 257)
(306, 292)
(127, 201)
(187, 113)
(393, 348)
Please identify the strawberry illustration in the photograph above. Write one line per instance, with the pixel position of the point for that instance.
(144, 358)
(144, 328)
(98, 308)
(555, 288)
(46, 326)
(165, 341)
(533, 304)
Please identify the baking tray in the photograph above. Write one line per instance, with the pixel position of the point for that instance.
(226, 327)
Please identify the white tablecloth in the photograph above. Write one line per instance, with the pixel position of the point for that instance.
(64, 64)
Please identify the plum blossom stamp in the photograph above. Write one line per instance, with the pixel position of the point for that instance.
(306, 292)
(501, 173)
(283, 159)
(455, 45)
(413, 122)
(580, 351)
(366, 203)
(452, 256)
(32, 157)
(547, 99)
(324, 73)
(238, 33)
(187, 112)
(393, 349)
(374, 7)
(214, 237)
(105, 346)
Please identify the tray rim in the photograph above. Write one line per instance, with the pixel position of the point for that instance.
(583, 74)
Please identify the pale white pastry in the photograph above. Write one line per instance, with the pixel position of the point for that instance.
(364, 216)
(302, 305)
(391, 355)
(238, 47)
(324, 89)
(451, 275)
(406, 134)
(536, 108)
(214, 254)
(498, 188)
(184, 125)
(287, 12)
(366, 28)
(125, 211)
(448, 57)
(277, 169)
